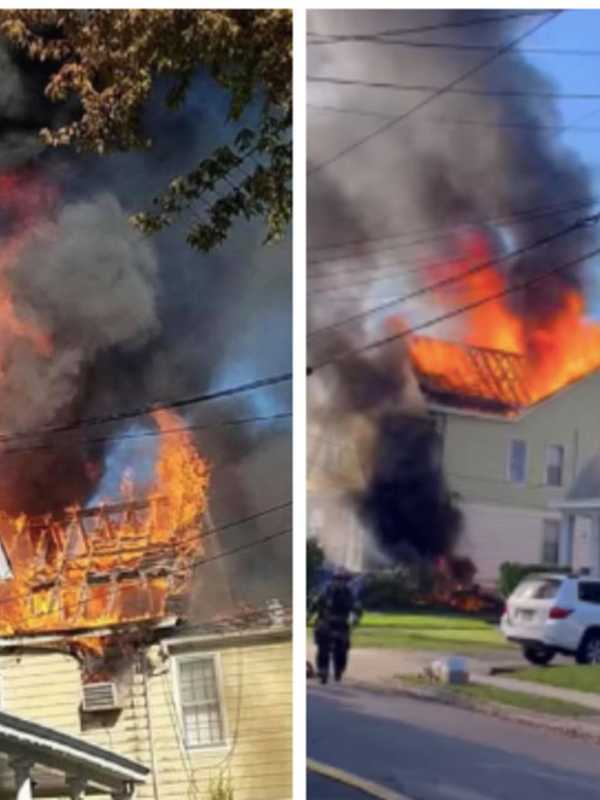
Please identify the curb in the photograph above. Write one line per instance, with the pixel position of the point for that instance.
(580, 730)
(354, 781)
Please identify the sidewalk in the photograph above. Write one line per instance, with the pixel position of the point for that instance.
(381, 668)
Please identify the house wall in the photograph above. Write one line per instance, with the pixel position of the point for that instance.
(256, 679)
(504, 521)
(495, 534)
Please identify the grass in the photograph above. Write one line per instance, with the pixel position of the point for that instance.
(573, 676)
(421, 631)
(505, 697)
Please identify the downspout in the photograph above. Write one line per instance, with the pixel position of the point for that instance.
(153, 765)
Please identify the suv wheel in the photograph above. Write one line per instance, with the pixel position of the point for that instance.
(539, 655)
(589, 649)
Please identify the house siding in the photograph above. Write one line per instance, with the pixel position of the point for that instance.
(503, 520)
(257, 700)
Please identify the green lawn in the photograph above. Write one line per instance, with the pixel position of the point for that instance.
(575, 676)
(491, 694)
(422, 631)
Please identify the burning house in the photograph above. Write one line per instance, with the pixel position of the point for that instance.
(124, 637)
(455, 356)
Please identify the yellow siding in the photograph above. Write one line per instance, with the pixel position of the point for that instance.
(257, 696)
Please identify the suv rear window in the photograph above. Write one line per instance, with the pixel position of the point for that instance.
(538, 589)
(589, 592)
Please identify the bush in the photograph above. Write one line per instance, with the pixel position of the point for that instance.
(394, 590)
(512, 573)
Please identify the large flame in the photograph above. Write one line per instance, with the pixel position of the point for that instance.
(555, 349)
(118, 563)
(126, 560)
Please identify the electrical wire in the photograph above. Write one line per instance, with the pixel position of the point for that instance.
(437, 93)
(455, 312)
(492, 262)
(333, 38)
(152, 407)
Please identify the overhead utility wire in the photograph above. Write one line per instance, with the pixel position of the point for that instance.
(449, 121)
(455, 312)
(526, 214)
(201, 536)
(373, 274)
(464, 23)
(406, 87)
(492, 262)
(143, 434)
(389, 40)
(151, 407)
(437, 93)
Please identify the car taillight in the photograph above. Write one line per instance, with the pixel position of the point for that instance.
(559, 613)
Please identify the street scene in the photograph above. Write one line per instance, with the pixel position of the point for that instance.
(453, 436)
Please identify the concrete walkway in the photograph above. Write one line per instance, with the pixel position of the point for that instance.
(587, 699)
(382, 667)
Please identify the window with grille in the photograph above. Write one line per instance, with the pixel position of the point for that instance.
(517, 461)
(200, 702)
(550, 542)
(555, 456)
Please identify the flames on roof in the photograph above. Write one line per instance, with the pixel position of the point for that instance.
(92, 568)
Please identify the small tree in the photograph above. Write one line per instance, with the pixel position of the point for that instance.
(109, 61)
(220, 788)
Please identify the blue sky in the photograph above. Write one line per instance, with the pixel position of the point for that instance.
(571, 73)
(576, 74)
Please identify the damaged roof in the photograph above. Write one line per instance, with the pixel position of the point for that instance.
(475, 378)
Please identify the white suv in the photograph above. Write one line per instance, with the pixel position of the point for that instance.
(549, 614)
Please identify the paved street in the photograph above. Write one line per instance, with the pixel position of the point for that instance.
(320, 788)
(433, 752)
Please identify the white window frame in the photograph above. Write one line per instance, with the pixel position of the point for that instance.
(562, 465)
(509, 461)
(542, 560)
(198, 656)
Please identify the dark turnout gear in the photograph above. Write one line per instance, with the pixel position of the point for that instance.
(334, 609)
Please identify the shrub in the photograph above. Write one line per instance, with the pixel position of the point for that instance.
(512, 573)
(393, 590)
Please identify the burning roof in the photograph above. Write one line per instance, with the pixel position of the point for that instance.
(478, 378)
(129, 562)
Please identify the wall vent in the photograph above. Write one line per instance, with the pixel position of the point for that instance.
(100, 697)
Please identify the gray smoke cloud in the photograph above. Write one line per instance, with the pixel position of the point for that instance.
(135, 320)
(449, 164)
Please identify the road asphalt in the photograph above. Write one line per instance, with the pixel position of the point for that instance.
(430, 751)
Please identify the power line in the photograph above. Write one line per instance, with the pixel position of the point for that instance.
(455, 312)
(578, 224)
(142, 434)
(437, 90)
(531, 213)
(475, 48)
(467, 122)
(200, 537)
(334, 38)
(437, 93)
(156, 406)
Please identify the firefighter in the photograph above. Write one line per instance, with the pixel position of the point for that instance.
(336, 610)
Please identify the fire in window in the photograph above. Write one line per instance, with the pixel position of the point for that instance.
(555, 456)
(200, 702)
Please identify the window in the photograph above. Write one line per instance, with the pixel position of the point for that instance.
(538, 589)
(200, 702)
(589, 592)
(555, 456)
(517, 461)
(550, 542)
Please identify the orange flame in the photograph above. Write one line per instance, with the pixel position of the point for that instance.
(554, 351)
(114, 564)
